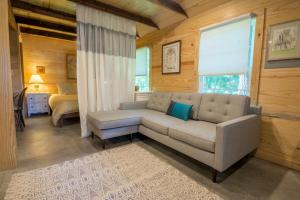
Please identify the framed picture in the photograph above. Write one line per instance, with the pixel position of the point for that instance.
(171, 54)
(284, 41)
(40, 69)
(71, 66)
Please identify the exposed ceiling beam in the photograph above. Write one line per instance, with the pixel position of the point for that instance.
(116, 11)
(137, 35)
(49, 25)
(172, 5)
(45, 24)
(47, 33)
(42, 10)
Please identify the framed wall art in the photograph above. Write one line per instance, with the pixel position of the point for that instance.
(40, 69)
(71, 66)
(171, 54)
(284, 41)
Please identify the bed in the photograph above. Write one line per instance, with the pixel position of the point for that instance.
(64, 104)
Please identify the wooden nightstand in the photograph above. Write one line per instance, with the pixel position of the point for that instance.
(37, 103)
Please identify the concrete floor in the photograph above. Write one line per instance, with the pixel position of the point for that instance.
(41, 145)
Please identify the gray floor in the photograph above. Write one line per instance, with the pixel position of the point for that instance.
(41, 145)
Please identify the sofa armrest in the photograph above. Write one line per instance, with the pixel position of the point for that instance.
(133, 105)
(235, 139)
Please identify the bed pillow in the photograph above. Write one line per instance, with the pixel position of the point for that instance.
(67, 88)
(181, 111)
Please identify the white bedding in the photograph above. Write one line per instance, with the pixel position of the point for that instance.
(62, 104)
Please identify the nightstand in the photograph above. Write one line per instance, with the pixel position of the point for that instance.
(37, 103)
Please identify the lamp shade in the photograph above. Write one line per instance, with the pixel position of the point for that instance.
(35, 78)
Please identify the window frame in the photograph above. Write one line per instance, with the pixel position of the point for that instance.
(250, 72)
(246, 92)
(149, 68)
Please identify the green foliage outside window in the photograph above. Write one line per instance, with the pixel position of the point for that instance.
(225, 84)
(143, 83)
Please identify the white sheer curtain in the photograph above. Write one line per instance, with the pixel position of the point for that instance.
(105, 61)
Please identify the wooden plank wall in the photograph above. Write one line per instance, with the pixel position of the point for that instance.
(276, 90)
(15, 58)
(48, 52)
(7, 123)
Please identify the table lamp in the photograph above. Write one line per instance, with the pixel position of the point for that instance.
(36, 79)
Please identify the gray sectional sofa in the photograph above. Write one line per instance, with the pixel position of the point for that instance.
(222, 129)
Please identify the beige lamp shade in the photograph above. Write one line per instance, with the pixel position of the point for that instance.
(35, 78)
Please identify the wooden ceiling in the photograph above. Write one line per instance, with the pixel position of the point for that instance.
(149, 15)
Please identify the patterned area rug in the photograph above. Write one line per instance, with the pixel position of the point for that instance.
(127, 172)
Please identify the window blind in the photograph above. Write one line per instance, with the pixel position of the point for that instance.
(226, 48)
(142, 61)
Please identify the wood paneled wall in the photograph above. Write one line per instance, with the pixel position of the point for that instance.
(15, 58)
(15, 53)
(48, 52)
(7, 123)
(276, 90)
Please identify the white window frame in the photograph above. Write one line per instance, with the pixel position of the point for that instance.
(245, 92)
(200, 84)
(149, 68)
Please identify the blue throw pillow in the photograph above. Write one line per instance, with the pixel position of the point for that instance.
(181, 111)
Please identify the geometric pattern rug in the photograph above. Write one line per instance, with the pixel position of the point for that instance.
(126, 172)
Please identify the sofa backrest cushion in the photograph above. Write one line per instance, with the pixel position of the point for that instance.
(159, 101)
(189, 98)
(219, 108)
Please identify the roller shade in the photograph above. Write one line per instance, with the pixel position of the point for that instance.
(226, 48)
(142, 61)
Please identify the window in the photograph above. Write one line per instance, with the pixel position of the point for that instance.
(142, 69)
(225, 57)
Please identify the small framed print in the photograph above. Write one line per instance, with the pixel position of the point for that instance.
(71, 66)
(40, 69)
(171, 54)
(284, 41)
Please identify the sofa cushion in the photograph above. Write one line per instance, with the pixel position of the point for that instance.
(219, 108)
(114, 119)
(189, 98)
(160, 122)
(159, 101)
(199, 134)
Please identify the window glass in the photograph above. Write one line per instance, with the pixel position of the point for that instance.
(225, 84)
(142, 69)
(226, 57)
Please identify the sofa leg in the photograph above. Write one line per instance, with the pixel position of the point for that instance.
(130, 137)
(103, 144)
(251, 154)
(214, 175)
